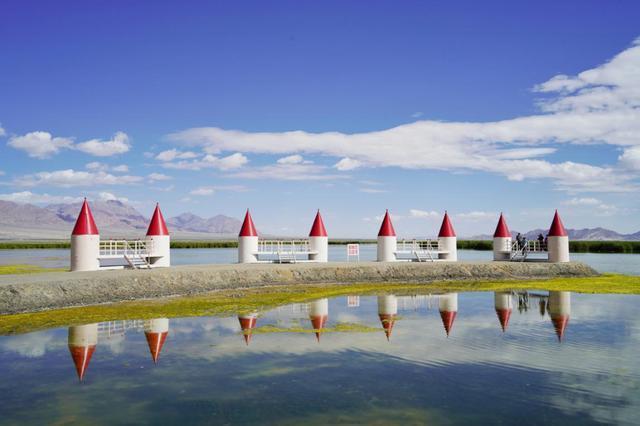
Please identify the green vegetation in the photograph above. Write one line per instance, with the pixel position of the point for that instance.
(26, 269)
(574, 246)
(341, 327)
(233, 302)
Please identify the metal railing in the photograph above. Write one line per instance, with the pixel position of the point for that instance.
(411, 246)
(125, 248)
(531, 246)
(283, 246)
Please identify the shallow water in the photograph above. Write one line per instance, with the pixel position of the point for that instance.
(563, 359)
(56, 258)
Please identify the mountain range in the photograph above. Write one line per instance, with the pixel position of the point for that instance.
(117, 219)
(114, 219)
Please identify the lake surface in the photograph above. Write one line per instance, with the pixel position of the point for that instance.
(57, 258)
(562, 359)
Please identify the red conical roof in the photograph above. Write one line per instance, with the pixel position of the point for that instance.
(81, 356)
(248, 228)
(157, 226)
(446, 230)
(502, 230)
(560, 324)
(447, 320)
(503, 317)
(318, 229)
(557, 228)
(318, 322)
(156, 342)
(386, 229)
(85, 225)
(387, 320)
(247, 324)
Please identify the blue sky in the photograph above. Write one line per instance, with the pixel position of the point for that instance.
(285, 107)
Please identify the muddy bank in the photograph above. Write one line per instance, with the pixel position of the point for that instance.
(28, 293)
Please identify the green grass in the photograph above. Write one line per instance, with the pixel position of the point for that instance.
(233, 302)
(26, 269)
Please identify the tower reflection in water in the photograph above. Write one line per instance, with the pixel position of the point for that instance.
(448, 307)
(247, 323)
(82, 340)
(559, 309)
(387, 312)
(504, 307)
(156, 331)
(319, 314)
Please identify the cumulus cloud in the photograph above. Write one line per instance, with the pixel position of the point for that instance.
(293, 172)
(72, 178)
(96, 165)
(173, 154)
(158, 177)
(478, 216)
(630, 158)
(122, 168)
(202, 191)
(423, 214)
(39, 144)
(2, 131)
(108, 196)
(293, 159)
(233, 161)
(594, 205)
(119, 144)
(210, 190)
(32, 198)
(598, 106)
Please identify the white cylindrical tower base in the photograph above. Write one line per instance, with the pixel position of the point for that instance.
(83, 335)
(321, 245)
(559, 303)
(160, 250)
(156, 325)
(450, 245)
(502, 300)
(558, 248)
(387, 247)
(247, 249)
(85, 251)
(319, 307)
(387, 304)
(448, 302)
(501, 248)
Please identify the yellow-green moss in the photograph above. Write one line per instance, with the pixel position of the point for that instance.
(26, 269)
(233, 302)
(342, 327)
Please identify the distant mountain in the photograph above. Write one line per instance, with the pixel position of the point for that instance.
(114, 218)
(594, 234)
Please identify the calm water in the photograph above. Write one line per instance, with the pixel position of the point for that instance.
(206, 373)
(619, 263)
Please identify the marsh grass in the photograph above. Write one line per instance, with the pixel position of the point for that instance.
(26, 269)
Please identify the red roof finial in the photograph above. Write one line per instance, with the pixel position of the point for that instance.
(85, 225)
(557, 228)
(318, 229)
(386, 229)
(248, 228)
(502, 230)
(446, 230)
(503, 317)
(157, 226)
(81, 356)
(447, 320)
(156, 340)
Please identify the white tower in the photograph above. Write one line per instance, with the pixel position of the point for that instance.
(387, 312)
(319, 314)
(387, 240)
(557, 241)
(248, 241)
(502, 240)
(559, 311)
(504, 306)
(156, 331)
(448, 307)
(447, 240)
(158, 240)
(318, 240)
(85, 242)
(82, 340)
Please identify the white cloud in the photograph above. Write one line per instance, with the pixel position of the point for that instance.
(72, 178)
(210, 190)
(174, 154)
(202, 191)
(32, 198)
(122, 168)
(373, 190)
(158, 177)
(233, 161)
(2, 131)
(293, 172)
(39, 144)
(478, 216)
(598, 106)
(630, 158)
(2, 173)
(417, 114)
(423, 214)
(108, 196)
(119, 144)
(594, 205)
(293, 159)
(96, 165)
(582, 202)
(347, 164)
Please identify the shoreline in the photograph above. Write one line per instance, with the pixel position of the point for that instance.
(46, 291)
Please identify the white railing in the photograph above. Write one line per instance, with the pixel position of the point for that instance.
(125, 248)
(283, 247)
(532, 246)
(412, 246)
